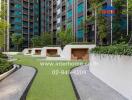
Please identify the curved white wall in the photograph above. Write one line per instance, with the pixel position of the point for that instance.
(116, 71)
(25, 51)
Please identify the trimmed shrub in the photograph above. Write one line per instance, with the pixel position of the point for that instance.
(5, 65)
(113, 49)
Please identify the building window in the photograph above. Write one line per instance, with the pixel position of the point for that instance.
(18, 6)
(18, 13)
(69, 2)
(80, 20)
(80, 8)
(69, 14)
(18, 20)
(79, 35)
(17, 27)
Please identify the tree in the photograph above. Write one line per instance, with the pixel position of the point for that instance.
(102, 29)
(85, 25)
(46, 39)
(3, 23)
(130, 40)
(120, 6)
(43, 40)
(130, 14)
(36, 41)
(119, 27)
(17, 40)
(100, 21)
(65, 36)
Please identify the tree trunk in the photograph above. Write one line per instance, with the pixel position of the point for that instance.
(95, 12)
(17, 48)
(130, 41)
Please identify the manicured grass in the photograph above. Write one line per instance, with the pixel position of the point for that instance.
(46, 85)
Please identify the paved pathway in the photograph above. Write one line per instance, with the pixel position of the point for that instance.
(13, 87)
(90, 87)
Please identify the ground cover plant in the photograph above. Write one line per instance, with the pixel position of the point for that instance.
(118, 49)
(47, 85)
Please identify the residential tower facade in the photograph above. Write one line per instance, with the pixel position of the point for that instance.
(24, 20)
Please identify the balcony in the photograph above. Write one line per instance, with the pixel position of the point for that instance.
(25, 0)
(25, 6)
(25, 27)
(63, 3)
(80, 14)
(25, 19)
(25, 12)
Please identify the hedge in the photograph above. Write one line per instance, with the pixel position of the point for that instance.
(113, 49)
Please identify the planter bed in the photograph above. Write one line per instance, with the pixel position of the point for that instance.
(114, 70)
(5, 74)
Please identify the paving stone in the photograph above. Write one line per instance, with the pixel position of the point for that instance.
(13, 87)
(90, 87)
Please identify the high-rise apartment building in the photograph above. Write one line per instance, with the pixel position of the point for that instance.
(76, 13)
(45, 16)
(61, 14)
(54, 19)
(24, 19)
(114, 22)
(35, 17)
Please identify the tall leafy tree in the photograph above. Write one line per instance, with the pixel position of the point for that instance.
(46, 39)
(43, 40)
(36, 41)
(119, 27)
(17, 40)
(100, 21)
(102, 29)
(129, 11)
(65, 36)
(85, 25)
(3, 23)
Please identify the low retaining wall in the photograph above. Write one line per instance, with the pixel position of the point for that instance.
(4, 75)
(116, 71)
(11, 53)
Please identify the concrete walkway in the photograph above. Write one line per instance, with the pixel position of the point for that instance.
(13, 87)
(90, 87)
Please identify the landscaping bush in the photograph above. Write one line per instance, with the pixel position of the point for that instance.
(5, 65)
(3, 56)
(118, 49)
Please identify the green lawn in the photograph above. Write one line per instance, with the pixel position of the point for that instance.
(46, 85)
